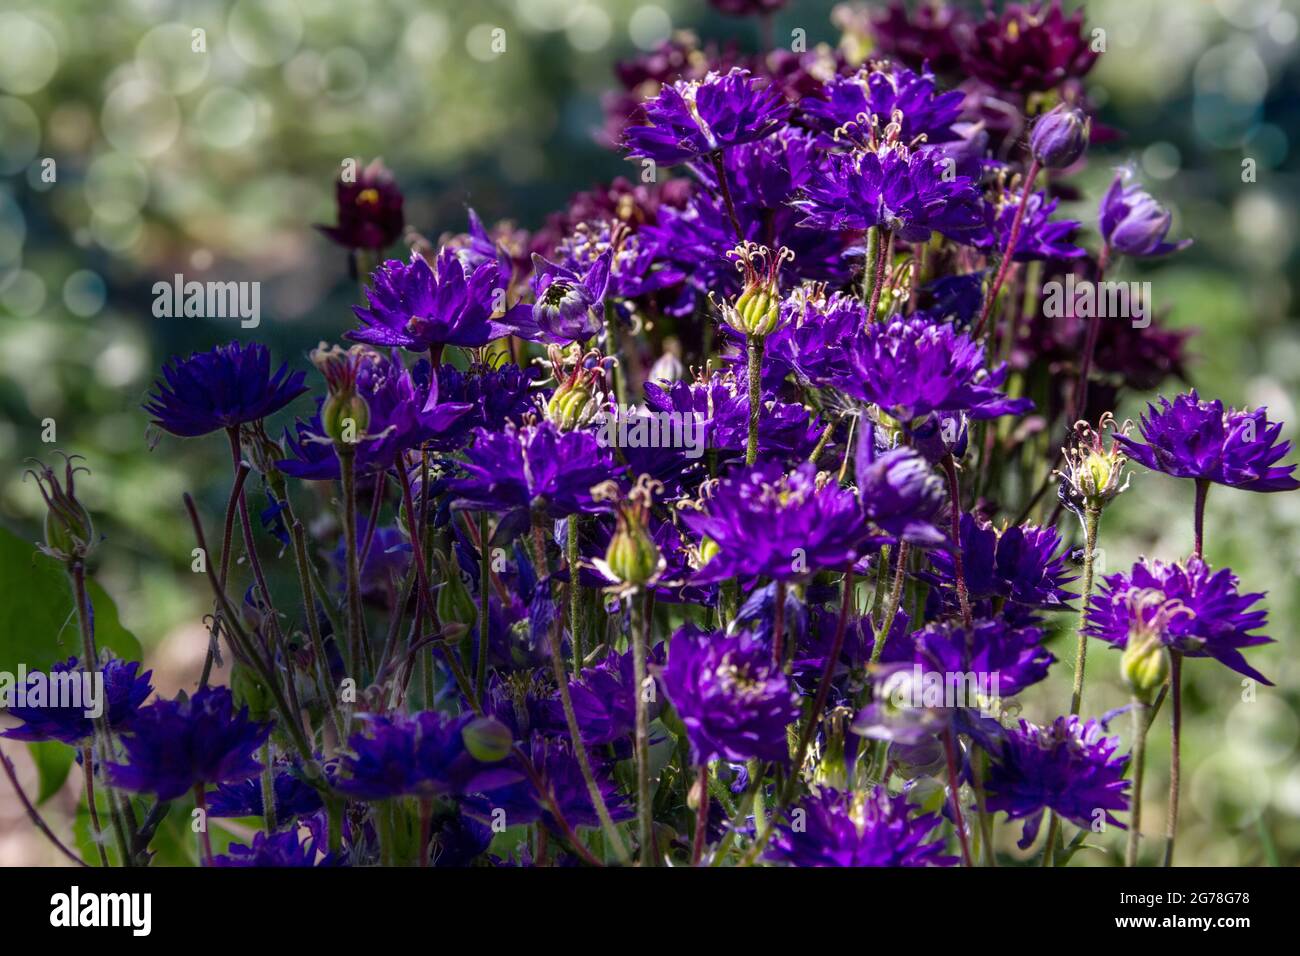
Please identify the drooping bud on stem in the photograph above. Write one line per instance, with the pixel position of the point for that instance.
(69, 531)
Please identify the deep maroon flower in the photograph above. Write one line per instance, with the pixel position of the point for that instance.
(1068, 767)
(912, 368)
(176, 745)
(224, 387)
(784, 525)
(695, 118)
(423, 754)
(1030, 48)
(846, 103)
(416, 306)
(1025, 564)
(1133, 223)
(910, 193)
(1193, 438)
(746, 8)
(1186, 606)
(845, 828)
(124, 690)
(928, 35)
(535, 469)
(369, 210)
(734, 704)
(276, 850)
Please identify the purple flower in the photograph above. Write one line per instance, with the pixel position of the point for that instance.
(1060, 136)
(1186, 606)
(124, 690)
(694, 118)
(369, 210)
(276, 850)
(1025, 564)
(911, 368)
(784, 525)
(421, 754)
(900, 493)
(1133, 223)
(813, 337)
(908, 193)
(1068, 767)
(176, 745)
(734, 704)
(419, 307)
(537, 469)
(568, 302)
(1030, 48)
(844, 828)
(224, 387)
(294, 797)
(385, 565)
(604, 700)
(1193, 438)
(1040, 237)
(851, 100)
(635, 259)
(1011, 658)
(495, 395)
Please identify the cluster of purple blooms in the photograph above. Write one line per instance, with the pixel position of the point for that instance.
(518, 643)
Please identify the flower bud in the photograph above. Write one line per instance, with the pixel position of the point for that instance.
(344, 418)
(632, 555)
(1144, 666)
(69, 530)
(756, 312)
(1060, 136)
(581, 389)
(487, 739)
(455, 603)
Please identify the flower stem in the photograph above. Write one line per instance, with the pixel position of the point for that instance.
(954, 785)
(1079, 398)
(1008, 252)
(1202, 492)
(701, 816)
(299, 538)
(640, 650)
(778, 626)
(484, 582)
(877, 268)
(1175, 749)
(755, 344)
(891, 609)
(1141, 723)
(347, 469)
(721, 172)
(573, 556)
(88, 769)
(1091, 518)
(959, 569)
(205, 838)
(34, 815)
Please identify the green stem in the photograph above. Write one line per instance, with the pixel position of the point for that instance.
(1140, 725)
(573, 557)
(640, 651)
(1175, 749)
(1091, 518)
(298, 536)
(88, 769)
(891, 609)
(484, 583)
(869, 270)
(347, 468)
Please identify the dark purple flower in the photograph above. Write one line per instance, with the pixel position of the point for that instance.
(604, 700)
(1009, 658)
(176, 745)
(746, 8)
(1193, 438)
(900, 493)
(1030, 48)
(421, 754)
(569, 303)
(909, 193)
(537, 469)
(495, 395)
(845, 828)
(1040, 236)
(294, 797)
(734, 704)
(851, 101)
(385, 565)
(911, 368)
(124, 690)
(1068, 767)
(1025, 564)
(784, 525)
(1133, 223)
(554, 760)
(276, 850)
(1186, 606)
(369, 210)
(697, 117)
(1060, 136)
(635, 259)
(224, 387)
(416, 306)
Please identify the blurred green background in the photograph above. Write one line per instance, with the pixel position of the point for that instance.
(216, 164)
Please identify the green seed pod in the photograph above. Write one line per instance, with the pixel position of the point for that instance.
(487, 739)
(632, 556)
(344, 417)
(1144, 666)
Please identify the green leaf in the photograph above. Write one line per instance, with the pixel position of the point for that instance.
(37, 624)
(53, 762)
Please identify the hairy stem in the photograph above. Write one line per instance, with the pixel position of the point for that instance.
(1091, 518)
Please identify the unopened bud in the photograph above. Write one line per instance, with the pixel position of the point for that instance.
(487, 739)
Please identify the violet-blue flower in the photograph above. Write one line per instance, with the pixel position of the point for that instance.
(844, 828)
